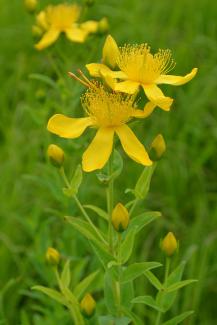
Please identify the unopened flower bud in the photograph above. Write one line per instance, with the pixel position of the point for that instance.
(103, 26)
(110, 52)
(120, 218)
(169, 244)
(89, 3)
(88, 305)
(31, 5)
(56, 155)
(37, 31)
(52, 256)
(158, 148)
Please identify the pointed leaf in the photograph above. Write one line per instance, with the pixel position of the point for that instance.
(154, 280)
(76, 180)
(179, 285)
(52, 294)
(136, 320)
(143, 183)
(127, 246)
(143, 219)
(147, 300)
(178, 319)
(84, 285)
(135, 270)
(65, 275)
(111, 320)
(101, 213)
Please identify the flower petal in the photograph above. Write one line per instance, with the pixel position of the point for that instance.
(90, 26)
(127, 86)
(75, 34)
(148, 109)
(99, 151)
(67, 127)
(132, 146)
(176, 80)
(156, 96)
(97, 69)
(110, 52)
(49, 38)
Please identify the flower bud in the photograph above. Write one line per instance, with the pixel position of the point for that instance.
(103, 26)
(52, 256)
(120, 218)
(31, 5)
(158, 148)
(169, 244)
(56, 155)
(89, 3)
(88, 305)
(36, 31)
(110, 52)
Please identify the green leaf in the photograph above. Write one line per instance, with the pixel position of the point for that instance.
(127, 245)
(127, 294)
(147, 300)
(109, 293)
(43, 78)
(101, 213)
(76, 180)
(166, 299)
(117, 164)
(154, 280)
(52, 294)
(135, 270)
(136, 320)
(103, 255)
(143, 183)
(84, 285)
(178, 319)
(85, 229)
(143, 219)
(179, 285)
(111, 320)
(65, 275)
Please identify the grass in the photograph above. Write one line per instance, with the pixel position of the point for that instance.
(183, 187)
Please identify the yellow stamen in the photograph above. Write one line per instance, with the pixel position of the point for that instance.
(141, 66)
(107, 109)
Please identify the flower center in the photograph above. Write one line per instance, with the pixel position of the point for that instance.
(62, 16)
(107, 109)
(141, 66)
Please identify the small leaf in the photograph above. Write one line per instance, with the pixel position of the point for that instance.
(98, 211)
(143, 219)
(179, 285)
(117, 164)
(111, 320)
(84, 285)
(127, 245)
(109, 293)
(136, 320)
(154, 280)
(178, 319)
(76, 180)
(65, 275)
(147, 300)
(135, 270)
(143, 183)
(52, 294)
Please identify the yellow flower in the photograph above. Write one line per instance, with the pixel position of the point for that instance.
(63, 18)
(158, 147)
(56, 155)
(52, 256)
(136, 66)
(120, 218)
(88, 305)
(109, 113)
(169, 244)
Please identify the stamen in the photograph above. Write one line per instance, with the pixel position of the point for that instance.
(72, 75)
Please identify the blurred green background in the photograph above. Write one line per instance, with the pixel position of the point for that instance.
(183, 187)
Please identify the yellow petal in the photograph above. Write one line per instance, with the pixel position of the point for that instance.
(176, 80)
(41, 20)
(49, 38)
(132, 146)
(110, 52)
(127, 86)
(90, 26)
(97, 69)
(99, 151)
(76, 34)
(148, 109)
(67, 127)
(156, 96)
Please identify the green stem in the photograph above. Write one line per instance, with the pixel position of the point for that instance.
(63, 174)
(118, 287)
(110, 191)
(133, 206)
(167, 270)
